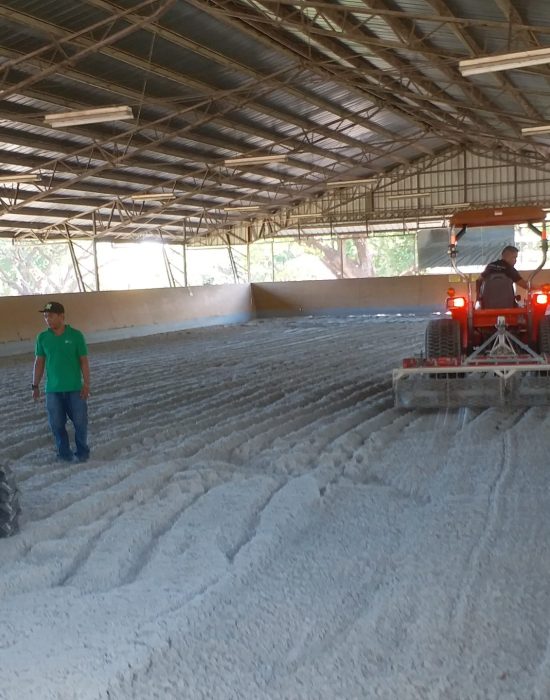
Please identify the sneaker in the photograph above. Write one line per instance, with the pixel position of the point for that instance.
(82, 458)
(65, 458)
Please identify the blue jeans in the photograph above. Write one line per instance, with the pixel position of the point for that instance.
(63, 405)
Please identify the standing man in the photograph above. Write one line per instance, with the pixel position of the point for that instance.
(62, 351)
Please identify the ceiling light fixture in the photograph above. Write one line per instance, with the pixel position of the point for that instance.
(16, 178)
(533, 130)
(409, 195)
(244, 208)
(88, 116)
(507, 61)
(451, 205)
(345, 183)
(152, 196)
(255, 160)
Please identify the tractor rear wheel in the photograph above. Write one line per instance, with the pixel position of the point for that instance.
(443, 338)
(9, 503)
(544, 335)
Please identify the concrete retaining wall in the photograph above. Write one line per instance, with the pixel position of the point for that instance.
(422, 294)
(123, 314)
(374, 295)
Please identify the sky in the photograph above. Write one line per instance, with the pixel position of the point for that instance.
(257, 521)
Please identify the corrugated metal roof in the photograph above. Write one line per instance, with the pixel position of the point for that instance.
(341, 89)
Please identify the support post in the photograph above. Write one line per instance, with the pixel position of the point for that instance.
(232, 260)
(76, 266)
(184, 251)
(96, 265)
(167, 265)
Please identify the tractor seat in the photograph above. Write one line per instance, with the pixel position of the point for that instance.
(497, 292)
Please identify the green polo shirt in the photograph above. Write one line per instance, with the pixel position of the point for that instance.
(62, 353)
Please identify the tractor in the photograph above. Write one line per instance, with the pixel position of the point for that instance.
(491, 348)
(9, 503)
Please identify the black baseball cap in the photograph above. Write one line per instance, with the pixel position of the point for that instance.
(53, 307)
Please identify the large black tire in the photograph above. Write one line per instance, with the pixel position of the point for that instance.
(443, 338)
(9, 503)
(544, 335)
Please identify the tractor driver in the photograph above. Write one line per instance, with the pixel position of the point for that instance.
(505, 266)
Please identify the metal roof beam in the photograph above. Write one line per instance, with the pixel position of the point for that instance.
(169, 74)
(475, 50)
(349, 27)
(66, 61)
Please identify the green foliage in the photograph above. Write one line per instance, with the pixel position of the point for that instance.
(382, 256)
(212, 265)
(350, 249)
(376, 256)
(261, 263)
(393, 255)
(40, 268)
(296, 260)
(35, 268)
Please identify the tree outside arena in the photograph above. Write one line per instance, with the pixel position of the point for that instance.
(35, 268)
(40, 268)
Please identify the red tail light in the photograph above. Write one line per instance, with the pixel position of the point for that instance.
(541, 299)
(456, 303)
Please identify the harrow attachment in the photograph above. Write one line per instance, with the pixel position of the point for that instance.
(501, 372)
(472, 387)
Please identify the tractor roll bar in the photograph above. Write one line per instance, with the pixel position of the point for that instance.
(495, 217)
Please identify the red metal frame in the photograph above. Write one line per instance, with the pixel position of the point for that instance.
(522, 320)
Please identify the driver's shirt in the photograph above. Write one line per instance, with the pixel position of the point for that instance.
(500, 267)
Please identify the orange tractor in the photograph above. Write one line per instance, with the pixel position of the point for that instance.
(491, 349)
(9, 503)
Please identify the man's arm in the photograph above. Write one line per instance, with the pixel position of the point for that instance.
(85, 369)
(37, 374)
(522, 283)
